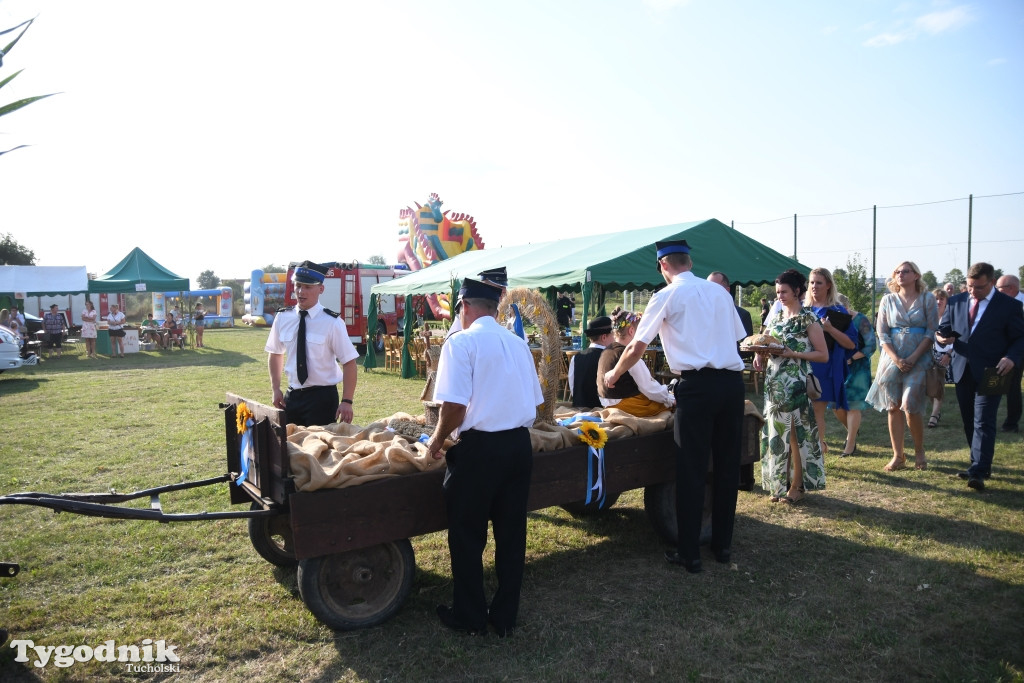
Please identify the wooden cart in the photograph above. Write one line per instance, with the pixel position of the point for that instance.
(351, 545)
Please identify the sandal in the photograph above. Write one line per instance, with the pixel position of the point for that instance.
(895, 464)
(933, 421)
(920, 463)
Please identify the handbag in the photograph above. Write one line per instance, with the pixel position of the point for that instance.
(935, 382)
(813, 387)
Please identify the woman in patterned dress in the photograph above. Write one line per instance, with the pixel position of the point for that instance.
(89, 316)
(858, 377)
(907, 320)
(791, 457)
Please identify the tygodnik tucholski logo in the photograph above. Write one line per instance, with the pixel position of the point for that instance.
(152, 656)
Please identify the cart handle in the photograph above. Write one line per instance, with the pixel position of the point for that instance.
(97, 504)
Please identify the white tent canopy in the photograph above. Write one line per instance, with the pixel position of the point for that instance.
(36, 280)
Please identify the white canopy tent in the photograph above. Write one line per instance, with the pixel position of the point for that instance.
(42, 280)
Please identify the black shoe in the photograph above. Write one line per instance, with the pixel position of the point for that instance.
(976, 483)
(967, 475)
(502, 631)
(448, 620)
(1010, 428)
(692, 566)
(723, 556)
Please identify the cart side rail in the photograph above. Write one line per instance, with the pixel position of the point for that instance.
(268, 481)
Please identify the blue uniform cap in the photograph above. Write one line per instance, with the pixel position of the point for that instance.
(475, 289)
(309, 273)
(672, 247)
(497, 276)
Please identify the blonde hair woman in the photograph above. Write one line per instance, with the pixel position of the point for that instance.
(841, 343)
(636, 392)
(907, 319)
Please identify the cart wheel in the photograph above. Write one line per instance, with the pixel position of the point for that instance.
(360, 588)
(660, 505)
(581, 509)
(271, 536)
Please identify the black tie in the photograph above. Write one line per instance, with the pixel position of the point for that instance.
(300, 349)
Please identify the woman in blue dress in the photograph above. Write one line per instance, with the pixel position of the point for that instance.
(858, 377)
(907, 320)
(821, 297)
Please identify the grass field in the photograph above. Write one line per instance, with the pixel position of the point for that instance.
(881, 577)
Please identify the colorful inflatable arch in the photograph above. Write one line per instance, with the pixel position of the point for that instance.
(427, 235)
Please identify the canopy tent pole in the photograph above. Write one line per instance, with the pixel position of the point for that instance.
(370, 360)
(587, 295)
(408, 366)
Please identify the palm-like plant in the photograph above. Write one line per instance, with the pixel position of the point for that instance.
(15, 106)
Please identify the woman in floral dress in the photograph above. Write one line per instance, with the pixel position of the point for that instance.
(791, 457)
(89, 316)
(907, 320)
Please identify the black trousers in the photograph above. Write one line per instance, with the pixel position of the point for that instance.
(311, 405)
(488, 478)
(1013, 407)
(709, 426)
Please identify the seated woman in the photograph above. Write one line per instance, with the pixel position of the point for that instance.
(636, 392)
(169, 331)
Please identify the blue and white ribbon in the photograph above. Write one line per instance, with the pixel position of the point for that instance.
(595, 476)
(246, 452)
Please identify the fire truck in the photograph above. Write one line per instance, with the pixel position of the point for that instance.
(347, 292)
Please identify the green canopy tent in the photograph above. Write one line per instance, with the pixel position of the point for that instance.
(137, 272)
(592, 264)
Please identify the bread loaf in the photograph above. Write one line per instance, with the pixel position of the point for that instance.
(762, 340)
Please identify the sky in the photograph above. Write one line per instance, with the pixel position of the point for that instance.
(227, 135)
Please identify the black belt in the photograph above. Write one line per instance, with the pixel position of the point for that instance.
(482, 432)
(312, 388)
(685, 373)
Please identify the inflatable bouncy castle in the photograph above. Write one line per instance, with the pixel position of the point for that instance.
(427, 235)
(264, 296)
(218, 305)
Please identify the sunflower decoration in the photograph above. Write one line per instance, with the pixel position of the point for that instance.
(593, 435)
(242, 416)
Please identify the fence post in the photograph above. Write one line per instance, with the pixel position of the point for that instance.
(794, 238)
(874, 254)
(970, 219)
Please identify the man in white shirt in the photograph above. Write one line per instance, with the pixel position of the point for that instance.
(699, 329)
(315, 340)
(489, 391)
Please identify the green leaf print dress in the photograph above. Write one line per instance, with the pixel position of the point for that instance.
(787, 408)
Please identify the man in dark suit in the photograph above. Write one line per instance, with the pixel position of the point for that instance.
(1010, 286)
(748, 325)
(990, 329)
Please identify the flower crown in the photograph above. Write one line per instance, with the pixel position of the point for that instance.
(627, 320)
